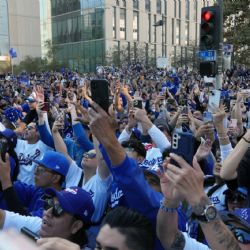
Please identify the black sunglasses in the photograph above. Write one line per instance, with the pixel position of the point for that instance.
(57, 210)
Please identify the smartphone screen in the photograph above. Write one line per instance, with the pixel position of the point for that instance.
(138, 104)
(207, 117)
(100, 93)
(45, 106)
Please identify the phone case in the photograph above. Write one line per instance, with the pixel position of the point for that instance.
(100, 93)
(214, 99)
(183, 145)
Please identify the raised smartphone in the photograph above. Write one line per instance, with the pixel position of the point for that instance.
(214, 99)
(100, 93)
(183, 145)
(33, 236)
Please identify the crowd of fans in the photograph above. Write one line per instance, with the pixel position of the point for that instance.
(76, 177)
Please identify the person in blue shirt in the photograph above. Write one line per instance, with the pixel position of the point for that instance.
(76, 147)
(131, 183)
(27, 199)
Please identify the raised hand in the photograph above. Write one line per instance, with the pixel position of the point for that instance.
(38, 93)
(203, 150)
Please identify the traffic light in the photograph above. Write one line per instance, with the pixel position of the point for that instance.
(210, 28)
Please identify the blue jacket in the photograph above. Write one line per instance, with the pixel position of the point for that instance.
(130, 189)
(29, 196)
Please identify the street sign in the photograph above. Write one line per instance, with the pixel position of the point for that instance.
(207, 55)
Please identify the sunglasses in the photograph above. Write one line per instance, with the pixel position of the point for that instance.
(42, 170)
(89, 155)
(243, 236)
(57, 210)
(30, 127)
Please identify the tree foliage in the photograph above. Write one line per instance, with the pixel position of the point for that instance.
(236, 28)
(38, 64)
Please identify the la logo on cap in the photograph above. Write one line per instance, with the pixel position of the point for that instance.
(70, 190)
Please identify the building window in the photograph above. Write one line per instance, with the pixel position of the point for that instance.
(164, 30)
(114, 22)
(186, 33)
(179, 12)
(149, 27)
(175, 8)
(154, 29)
(187, 9)
(117, 3)
(136, 4)
(135, 25)
(195, 10)
(124, 3)
(147, 5)
(158, 6)
(123, 24)
(178, 32)
(165, 7)
(173, 33)
(196, 34)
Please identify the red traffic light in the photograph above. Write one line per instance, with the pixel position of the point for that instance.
(207, 16)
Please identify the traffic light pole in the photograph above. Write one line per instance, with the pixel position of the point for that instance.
(219, 76)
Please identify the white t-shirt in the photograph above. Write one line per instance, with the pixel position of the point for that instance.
(99, 190)
(218, 198)
(17, 221)
(26, 153)
(73, 176)
(193, 244)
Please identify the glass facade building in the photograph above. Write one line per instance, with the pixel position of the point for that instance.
(77, 31)
(4, 28)
(88, 33)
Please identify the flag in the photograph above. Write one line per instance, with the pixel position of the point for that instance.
(12, 53)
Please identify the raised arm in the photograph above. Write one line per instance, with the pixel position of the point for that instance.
(188, 180)
(101, 125)
(60, 145)
(103, 169)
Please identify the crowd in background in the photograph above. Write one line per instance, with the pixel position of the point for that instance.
(112, 180)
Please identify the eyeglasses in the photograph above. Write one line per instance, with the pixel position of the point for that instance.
(89, 155)
(57, 210)
(42, 170)
(30, 127)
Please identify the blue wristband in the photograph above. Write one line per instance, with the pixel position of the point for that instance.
(167, 209)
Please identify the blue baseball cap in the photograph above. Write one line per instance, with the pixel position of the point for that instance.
(54, 161)
(74, 200)
(11, 137)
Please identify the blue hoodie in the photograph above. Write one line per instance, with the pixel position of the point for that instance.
(130, 189)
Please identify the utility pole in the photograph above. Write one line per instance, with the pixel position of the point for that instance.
(219, 76)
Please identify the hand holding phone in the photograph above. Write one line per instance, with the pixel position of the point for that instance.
(33, 236)
(137, 104)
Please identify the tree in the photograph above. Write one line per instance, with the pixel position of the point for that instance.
(236, 28)
(138, 52)
(37, 64)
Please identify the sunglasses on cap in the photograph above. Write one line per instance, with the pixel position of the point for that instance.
(89, 155)
(57, 210)
(243, 236)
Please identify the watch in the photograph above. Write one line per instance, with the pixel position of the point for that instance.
(209, 214)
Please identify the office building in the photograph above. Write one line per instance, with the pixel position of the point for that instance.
(88, 33)
(20, 29)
